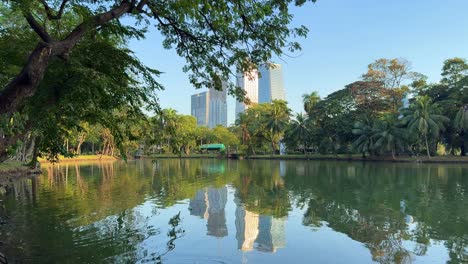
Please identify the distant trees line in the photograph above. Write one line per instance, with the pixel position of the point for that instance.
(368, 117)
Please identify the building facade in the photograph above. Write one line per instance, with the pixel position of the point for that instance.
(200, 108)
(249, 83)
(217, 113)
(210, 108)
(270, 83)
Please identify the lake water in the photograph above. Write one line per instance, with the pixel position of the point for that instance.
(218, 211)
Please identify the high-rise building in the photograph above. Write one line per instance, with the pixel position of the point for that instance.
(210, 108)
(200, 108)
(270, 83)
(218, 107)
(249, 83)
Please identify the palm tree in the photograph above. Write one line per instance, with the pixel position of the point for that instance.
(310, 100)
(461, 124)
(388, 135)
(278, 119)
(363, 143)
(423, 117)
(300, 130)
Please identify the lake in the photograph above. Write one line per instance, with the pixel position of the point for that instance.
(228, 211)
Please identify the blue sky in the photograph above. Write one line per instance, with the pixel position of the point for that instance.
(345, 36)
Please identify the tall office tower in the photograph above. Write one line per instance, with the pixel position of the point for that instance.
(249, 83)
(271, 84)
(200, 108)
(210, 108)
(217, 113)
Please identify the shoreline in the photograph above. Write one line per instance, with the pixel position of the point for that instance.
(436, 159)
(421, 159)
(79, 158)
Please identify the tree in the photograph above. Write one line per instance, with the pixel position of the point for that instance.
(212, 37)
(364, 143)
(423, 118)
(453, 71)
(388, 135)
(99, 82)
(278, 118)
(223, 135)
(310, 100)
(390, 72)
(298, 131)
(461, 124)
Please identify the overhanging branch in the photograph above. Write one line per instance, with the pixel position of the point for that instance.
(38, 28)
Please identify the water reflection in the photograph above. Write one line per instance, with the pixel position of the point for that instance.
(118, 212)
(209, 204)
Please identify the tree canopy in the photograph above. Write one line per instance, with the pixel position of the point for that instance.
(65, 63)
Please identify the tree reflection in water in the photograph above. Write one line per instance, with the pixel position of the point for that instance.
(107, 212)
(384, 205)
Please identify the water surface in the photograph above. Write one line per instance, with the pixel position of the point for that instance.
(217, 211)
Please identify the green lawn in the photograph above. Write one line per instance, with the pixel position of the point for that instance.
(81, 158)
(194, 155)
(12, 166)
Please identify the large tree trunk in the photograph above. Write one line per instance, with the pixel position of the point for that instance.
(25, 84)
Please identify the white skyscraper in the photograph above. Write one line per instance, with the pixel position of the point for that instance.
(210, 108)
(249, 83)
(271, 84)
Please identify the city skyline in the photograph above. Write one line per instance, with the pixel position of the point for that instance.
(344, 38)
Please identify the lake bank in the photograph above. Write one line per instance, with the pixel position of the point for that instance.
(341, 157)
(420, 159)
(16, 168)
(80, 158)
(10, 169)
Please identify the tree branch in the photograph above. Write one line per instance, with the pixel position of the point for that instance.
(49, 12)
(98, 20)
(38, 28)
(140, 5)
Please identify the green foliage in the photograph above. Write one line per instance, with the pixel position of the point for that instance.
(423, 118)
(368, 116)
(262, 126)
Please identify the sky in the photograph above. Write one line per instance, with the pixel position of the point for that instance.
(345, 36)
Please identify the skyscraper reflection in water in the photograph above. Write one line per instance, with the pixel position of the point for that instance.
(261, 232)
(246, 227)
(209, 204)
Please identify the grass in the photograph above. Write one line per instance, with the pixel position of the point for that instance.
(11, 165)
(81, 158)
(193, 155)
